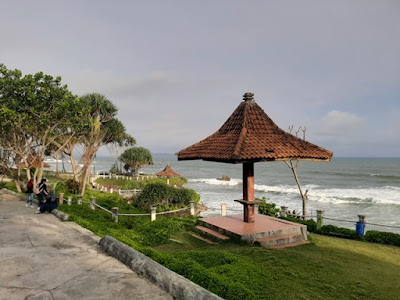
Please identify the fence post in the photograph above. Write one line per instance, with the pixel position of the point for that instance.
(191, 208)
(256, 206)
(79, 200)
(116, 176)
(61, 199)
(153, 213)
(104, 176)
(69, 201)
(111, 190)
(223, 209)
(360, 225)
(105, 189)
(92, 203)
(115, 214)
(119, 191)
(320, 217)
(284, 211)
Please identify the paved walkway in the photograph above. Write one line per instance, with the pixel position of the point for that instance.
(44, 258)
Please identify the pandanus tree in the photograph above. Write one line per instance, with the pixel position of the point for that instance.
(136, 158)
(102, 129)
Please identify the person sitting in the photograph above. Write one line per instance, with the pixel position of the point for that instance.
(42, 187)
(50, 203)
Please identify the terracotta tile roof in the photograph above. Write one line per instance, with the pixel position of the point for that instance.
(250, 135)
(33, 161)
(168, 172)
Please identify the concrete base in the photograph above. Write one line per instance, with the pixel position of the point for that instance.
(268, 231)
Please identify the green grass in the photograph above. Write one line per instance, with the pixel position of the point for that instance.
(328, 268)
(124, 184)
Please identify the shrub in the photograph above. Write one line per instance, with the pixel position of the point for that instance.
(72, 186)
(339, 232)
(311, 224)
(268, 209)
(161, 194)
(388, 238)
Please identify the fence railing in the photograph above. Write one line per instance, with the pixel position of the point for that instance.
(115, 210)
(319, 216)
(125, 177)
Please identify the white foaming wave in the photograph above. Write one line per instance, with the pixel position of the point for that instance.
(378, 195)
(215, 181)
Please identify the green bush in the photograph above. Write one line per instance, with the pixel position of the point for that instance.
(161, 194)
(339, 232)
(311, 224)
(266, 208)
(72, 186)
(388, 238)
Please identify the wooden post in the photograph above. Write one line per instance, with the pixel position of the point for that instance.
(284, 210)
(115, 213)
(92, 203)
(223, 209)
(320, 217)
(191, 208)
(61, 199)
(69, 201)
(79, 200)
(153, 213)
(248, 191)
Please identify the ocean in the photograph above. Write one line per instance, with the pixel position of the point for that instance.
(342, 188)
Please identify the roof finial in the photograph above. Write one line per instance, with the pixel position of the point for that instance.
(248, 97)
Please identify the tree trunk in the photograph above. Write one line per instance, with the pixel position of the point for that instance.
(84, 179)
(18, 186)
(303, 195)
(57, 163)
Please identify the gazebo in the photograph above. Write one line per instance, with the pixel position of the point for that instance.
(250, 136)
(168, 173)
(33, 161)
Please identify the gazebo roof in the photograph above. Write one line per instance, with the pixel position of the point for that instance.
(249, 135)
(168, 172)
(33, 161)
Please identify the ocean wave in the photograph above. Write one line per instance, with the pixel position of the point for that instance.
(378, 195)
(215, 181)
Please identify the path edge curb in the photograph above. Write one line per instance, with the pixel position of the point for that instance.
(62, 216)
(176, 285)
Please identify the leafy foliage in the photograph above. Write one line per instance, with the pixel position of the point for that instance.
(269, 209)
(160, 194)
(387, 238)
(136, 158)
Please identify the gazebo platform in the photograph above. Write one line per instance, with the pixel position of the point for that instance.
(268, 231)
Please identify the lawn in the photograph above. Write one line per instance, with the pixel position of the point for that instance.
(327, 268)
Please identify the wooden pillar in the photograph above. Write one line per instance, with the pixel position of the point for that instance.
(248, 181)
(248, 192)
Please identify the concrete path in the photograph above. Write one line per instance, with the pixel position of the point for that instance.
(44, 258)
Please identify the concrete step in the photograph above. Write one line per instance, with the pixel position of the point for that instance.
(280, 239)
(213, 233)
(202, 239)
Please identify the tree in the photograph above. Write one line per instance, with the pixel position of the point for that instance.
(102, 129)
(293, 166)
(136, 158)
(36, 110)
(118, 147)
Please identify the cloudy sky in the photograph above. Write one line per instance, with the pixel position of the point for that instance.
(177, 69)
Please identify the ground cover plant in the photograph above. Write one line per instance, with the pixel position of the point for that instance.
(124, 184)
(328, 268)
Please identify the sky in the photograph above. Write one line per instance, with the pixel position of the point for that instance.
(178, 69)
